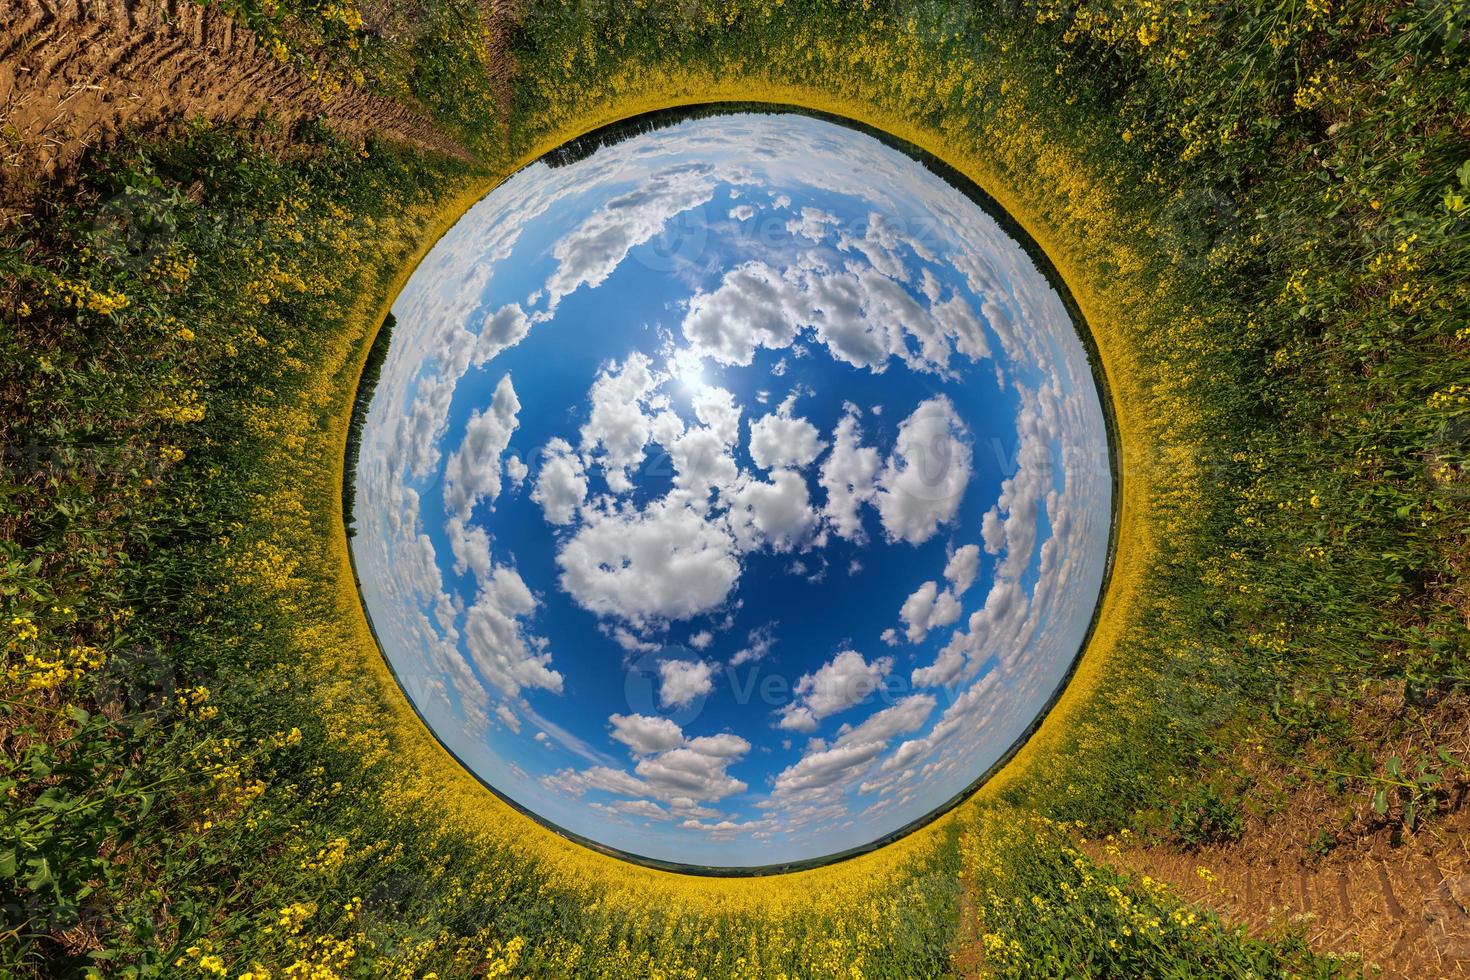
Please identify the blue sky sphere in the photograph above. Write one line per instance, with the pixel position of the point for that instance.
(735, 495)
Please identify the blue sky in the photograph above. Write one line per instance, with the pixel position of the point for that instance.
(733, 496)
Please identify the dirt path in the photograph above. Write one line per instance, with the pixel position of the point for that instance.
(73, 73)
(500, 19)
(967, 961)
(1401, 903)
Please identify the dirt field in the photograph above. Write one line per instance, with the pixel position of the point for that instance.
(1401, 903)
(499, 22)
(73, 74)
(1350, 878)
(1353, 879)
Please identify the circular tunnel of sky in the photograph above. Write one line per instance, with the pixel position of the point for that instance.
(734, 493)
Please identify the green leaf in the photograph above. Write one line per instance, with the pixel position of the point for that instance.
(40, 875)
(1380, 799)
(7, 864)
(54, 800)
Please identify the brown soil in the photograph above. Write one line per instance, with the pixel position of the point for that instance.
(1398, 897)
(1402, 906)
(967, 958)
(500, 64)
(74, 73)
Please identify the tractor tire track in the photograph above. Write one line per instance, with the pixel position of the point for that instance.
(1402, 904)
(74, 74)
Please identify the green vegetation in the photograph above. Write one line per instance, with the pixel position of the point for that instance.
(1266, 211)
(1050, 910)
(372, 368)
(1309, 161)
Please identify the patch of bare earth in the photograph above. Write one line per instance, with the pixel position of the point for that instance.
(1400, 905)
(967, 959)
(1351, 878)
(75, 73)
(500, 64)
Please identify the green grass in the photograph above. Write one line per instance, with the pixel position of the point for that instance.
(1310, 245)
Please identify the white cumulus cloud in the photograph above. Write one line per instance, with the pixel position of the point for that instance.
(923, 483)
(928, 608)
(561, 485)
(962, 568)
(778, 513)
(500, 648)
(757, 644)
(667, 562)
(783, 442)
(590, 253)
(618, 429)
(848, 476)
(845, 680)
(753, 307)
(646, 735)
(681, 681)
(473, 472)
